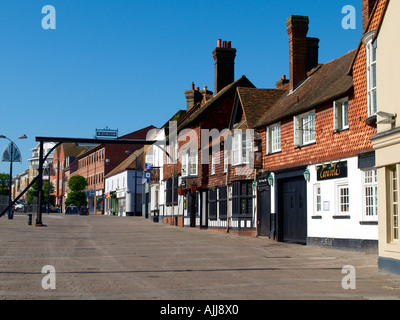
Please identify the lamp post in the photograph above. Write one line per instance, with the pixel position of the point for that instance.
(10, 215)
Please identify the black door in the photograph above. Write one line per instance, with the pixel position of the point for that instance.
(264, 211)
(293, 210)
(192, 209)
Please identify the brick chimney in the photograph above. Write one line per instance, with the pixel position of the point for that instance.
(224, 57)
(303, 51)
(193, 96)
(367, 7)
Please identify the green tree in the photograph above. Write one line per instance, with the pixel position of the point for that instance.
(76, 197)
(34, 191)
(4, 182)
(77, 183)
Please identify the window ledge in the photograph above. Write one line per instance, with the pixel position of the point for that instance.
(371, 120)
(340, 130)
(369, 223)
(305, 145)
(341, 217)
(316, 217)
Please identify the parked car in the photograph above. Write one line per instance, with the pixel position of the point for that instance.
(19, 206)
(72, 210)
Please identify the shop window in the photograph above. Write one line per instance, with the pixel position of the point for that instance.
(212, 203)
(222, 202)
(242, 199)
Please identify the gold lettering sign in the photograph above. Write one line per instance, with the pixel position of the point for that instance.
(332, 171)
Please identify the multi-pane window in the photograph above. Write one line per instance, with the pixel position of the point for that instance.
(242, 198)
(304, 129)
(273, 138)
(393, 204)
(212, 203)
(189, 163)
(341, 114)
(213, 163)
(371, 77)
(241, 147)
(371, 193)
(317, 198)
(344, 199)
(222, 202)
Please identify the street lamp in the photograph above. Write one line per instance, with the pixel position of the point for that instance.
(10, 216)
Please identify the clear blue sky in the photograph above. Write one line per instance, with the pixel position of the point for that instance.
(125, 64)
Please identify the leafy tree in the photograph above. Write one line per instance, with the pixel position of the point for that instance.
(76, 197)
(77, 183)
(4, 182)
(34, 191)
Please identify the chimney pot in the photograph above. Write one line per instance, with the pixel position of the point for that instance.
(219, 43)
(229, 44)
(197, 88)
(192, 85)
(224, 44)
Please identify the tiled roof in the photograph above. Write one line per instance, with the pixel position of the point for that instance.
(128, 163)
(326, 82)
(210, 104)
(255, 102)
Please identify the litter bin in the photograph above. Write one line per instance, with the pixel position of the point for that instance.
(29, 219)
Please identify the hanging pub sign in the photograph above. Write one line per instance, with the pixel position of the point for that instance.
(332, 171)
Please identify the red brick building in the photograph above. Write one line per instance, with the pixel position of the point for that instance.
(318, 162)
(96, 162)
(190, 175)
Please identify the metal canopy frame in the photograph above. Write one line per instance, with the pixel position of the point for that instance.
(42, 159)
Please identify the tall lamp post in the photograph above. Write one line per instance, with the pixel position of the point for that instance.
(11, 151)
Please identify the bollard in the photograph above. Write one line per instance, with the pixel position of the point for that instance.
(29, 219)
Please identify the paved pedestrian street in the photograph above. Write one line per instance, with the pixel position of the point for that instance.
(119, 258)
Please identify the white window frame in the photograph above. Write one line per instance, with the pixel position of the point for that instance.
(370, 194)
(340, 186)
(189, 163)
(341, 114)
(241, 147)
(393, 194)
(212, 163)
(370, 47)
(304, 129)
(273, 138)
(317, 199)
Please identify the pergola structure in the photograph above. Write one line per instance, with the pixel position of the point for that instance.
(42, 159)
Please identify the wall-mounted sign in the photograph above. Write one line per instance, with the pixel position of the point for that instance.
(332, 171)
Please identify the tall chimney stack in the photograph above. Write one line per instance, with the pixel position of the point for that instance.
(224, 58)
(303, 51)
(367, 7)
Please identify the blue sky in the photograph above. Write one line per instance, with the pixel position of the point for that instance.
(125, 64)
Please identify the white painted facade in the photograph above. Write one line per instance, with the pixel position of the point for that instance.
(123, 184)
(324, 218)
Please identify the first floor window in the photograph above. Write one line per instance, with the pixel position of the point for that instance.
(304, 129)
(273, 138)
(341, 114)
(241, 148)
